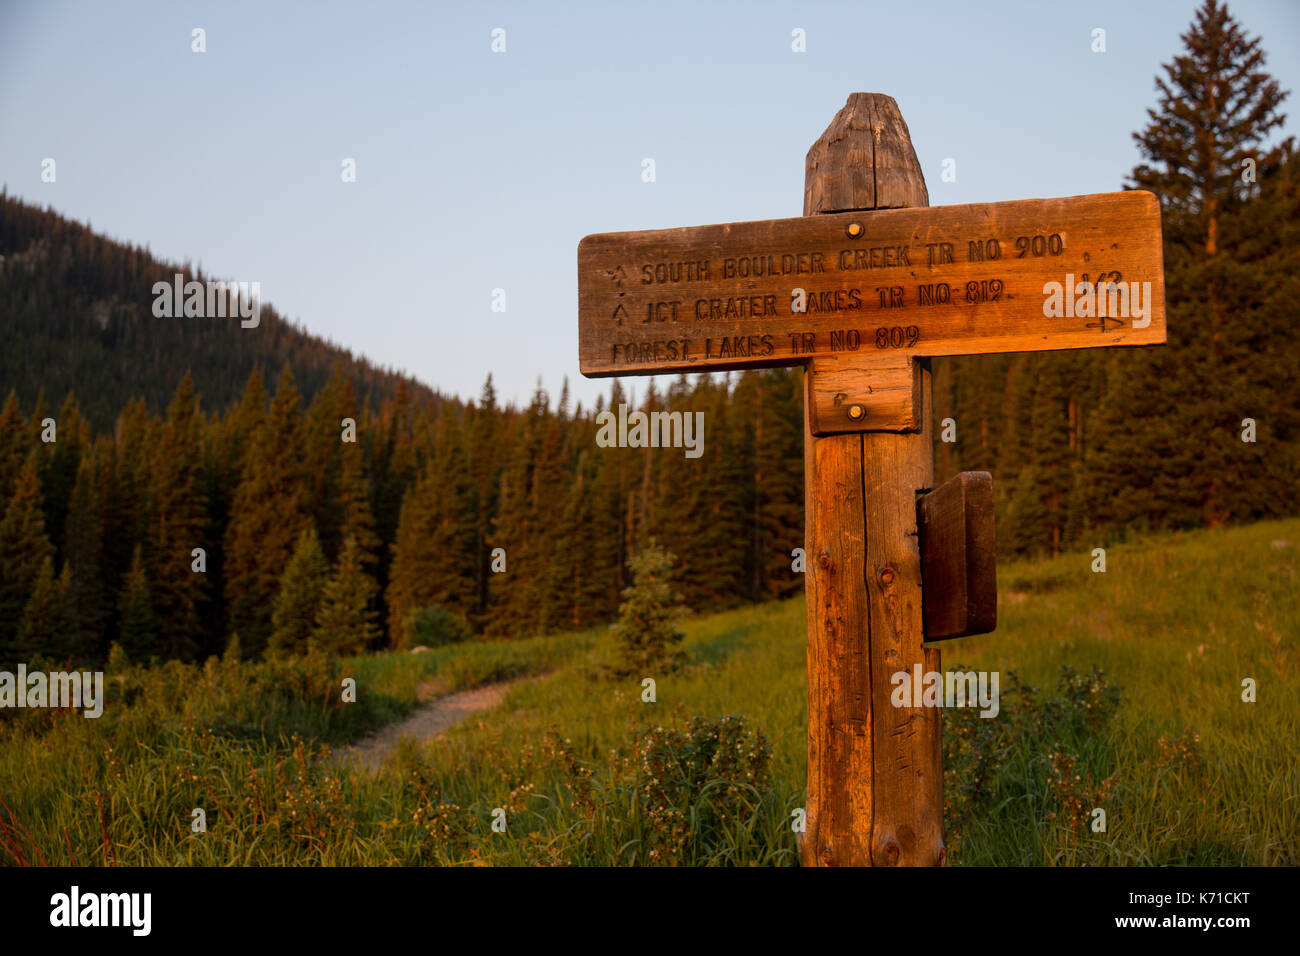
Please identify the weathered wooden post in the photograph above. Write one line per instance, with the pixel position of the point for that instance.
(875, 780)
(862, 290)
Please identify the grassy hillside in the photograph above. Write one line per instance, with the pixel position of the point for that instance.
(586, 772)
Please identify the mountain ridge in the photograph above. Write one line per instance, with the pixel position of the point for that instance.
(78, 309)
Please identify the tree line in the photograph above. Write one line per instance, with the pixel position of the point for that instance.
(286, 525)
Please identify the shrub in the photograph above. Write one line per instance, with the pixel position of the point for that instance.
(695, 783)
(1045, 754)
(435, 626)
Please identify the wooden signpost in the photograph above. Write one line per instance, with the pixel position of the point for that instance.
(861, 291)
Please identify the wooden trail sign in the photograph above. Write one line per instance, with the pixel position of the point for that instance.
(958, 279)
(862, 291)
(869, 293)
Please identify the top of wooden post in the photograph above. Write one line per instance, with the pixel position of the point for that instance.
(864, 160)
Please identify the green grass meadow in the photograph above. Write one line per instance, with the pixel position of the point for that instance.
(1120, 690)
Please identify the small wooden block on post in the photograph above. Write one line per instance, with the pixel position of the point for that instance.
(959, 583)
(870, 391)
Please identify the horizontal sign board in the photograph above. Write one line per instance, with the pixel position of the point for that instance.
(1031, 275)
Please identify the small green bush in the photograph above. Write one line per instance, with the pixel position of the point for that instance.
(1045, 754)
(435, 626)
(694, 784)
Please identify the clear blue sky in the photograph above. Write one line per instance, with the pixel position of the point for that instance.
(478, 170)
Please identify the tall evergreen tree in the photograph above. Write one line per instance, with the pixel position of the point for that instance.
(89, 610)
(514, 593)
(551, 477)
(43, 628)
(59, 468)
(715, 575)
(270, 513)
(1216, 108)
(136, 434)
(293, 616)
(433, 562)
(24, 549)
(323, 446)
(138, 631)
(485, 478)
(345, 622)
(177, 524)
(15, 444)
(356, 519)
(397, 465)
(778, 483)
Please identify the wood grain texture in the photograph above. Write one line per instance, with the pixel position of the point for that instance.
(907, 824)
(959, 557)
(839, 801)
(723, 296)
(874, 771)
(864, 160)
(885, 386)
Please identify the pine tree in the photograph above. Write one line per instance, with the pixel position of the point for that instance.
(15, 444)
(603, 508)
(580, 551)
(59, 468)
(551, 478)
(136, 435)
(717, 506)
(323, 447)
(43, 629)
(345, 623)
(248, 419)
(648, 632)
(138, 632)
(397, 465)
(485, 478)
(433, 563)
(514, 594)
(177, 523)
(1048, 452)
(302, 588)
(270, 514)
(1216, 107)
(1026, 514)
(227, 441)
(89, 610)
(778, 483)
(357, 520)
(24, 548)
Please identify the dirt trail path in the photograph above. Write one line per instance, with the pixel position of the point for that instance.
(427, 722)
